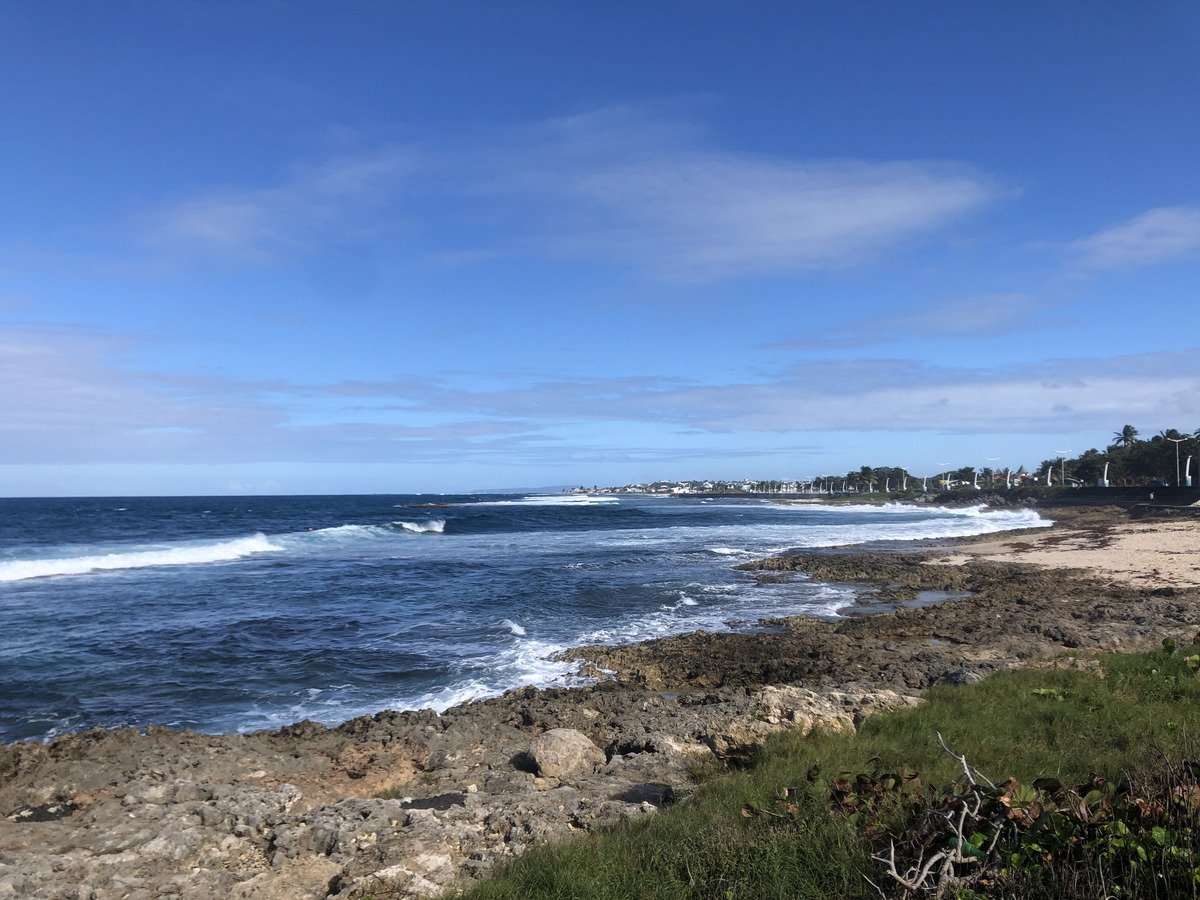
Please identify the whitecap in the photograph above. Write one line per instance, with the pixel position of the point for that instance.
(177, 555)
(551, 500)
(340, 532)
(513, 627)
(428, 526)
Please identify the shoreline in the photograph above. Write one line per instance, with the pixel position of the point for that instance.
(417, 801)
(1017, 602)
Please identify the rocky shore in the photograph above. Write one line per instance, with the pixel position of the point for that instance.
(407, 803)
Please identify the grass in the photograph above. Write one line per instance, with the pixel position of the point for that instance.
(1140, 710)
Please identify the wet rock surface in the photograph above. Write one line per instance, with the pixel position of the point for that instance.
(413, 801)
(1006, 615)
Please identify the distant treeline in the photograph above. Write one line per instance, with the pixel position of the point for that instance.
(1169, 457)
(1133, 461)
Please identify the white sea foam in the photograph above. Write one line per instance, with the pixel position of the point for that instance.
(429, 526)
(349, 531)
(175, 555)
(533, 662)
(896, 507)
(775, 538)
(353, 533)
(551, 500)
(529, 663)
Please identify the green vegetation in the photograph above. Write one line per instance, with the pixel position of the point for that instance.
(1132, 461)
(1102, 803)
(1128, 461)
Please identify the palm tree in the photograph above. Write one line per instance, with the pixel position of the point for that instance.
(867, 476)
(1126, 436)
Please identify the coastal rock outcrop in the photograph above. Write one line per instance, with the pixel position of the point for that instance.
(781, 707)
(403, 802)
(561, 752)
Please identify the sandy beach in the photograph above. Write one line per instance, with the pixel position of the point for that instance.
(1158, 553)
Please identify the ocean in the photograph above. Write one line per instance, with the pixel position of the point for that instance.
(230, 614)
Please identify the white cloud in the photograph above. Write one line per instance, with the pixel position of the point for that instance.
(1156, 236)
(982, 316)
(72, 398)
(874, 395)
(68, 397)
(613, 186)
(714, 216)
(341, 200)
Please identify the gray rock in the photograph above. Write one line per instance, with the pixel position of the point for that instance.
(962, 676)
(562, 752)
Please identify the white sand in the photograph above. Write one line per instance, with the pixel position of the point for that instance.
(1148, 554)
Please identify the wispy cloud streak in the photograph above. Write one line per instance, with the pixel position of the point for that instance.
(343, 199)
(611, 185)
(1157, 236)
(881, 395)
(984, 316)
(73, 398)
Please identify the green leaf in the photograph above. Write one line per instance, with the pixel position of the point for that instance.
(1024, 794)
(967, 848)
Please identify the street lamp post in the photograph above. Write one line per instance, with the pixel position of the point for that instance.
(1177, 442)
(1062, 454)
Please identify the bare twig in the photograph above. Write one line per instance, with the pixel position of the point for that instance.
(969, 771)
(937, 874)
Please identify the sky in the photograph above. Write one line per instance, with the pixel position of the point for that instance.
(378, 246)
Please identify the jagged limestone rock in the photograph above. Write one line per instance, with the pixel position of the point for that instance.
(561, 752)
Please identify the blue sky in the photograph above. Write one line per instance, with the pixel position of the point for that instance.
(435, 246)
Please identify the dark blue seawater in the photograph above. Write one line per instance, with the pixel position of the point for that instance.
(229, 614)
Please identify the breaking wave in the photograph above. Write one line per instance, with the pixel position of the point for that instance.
(551, 500)
(429, 526)
(178, 555)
